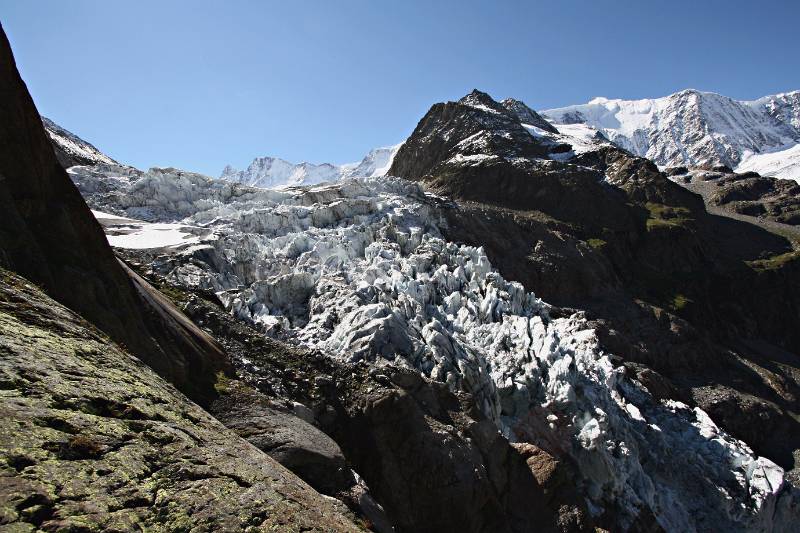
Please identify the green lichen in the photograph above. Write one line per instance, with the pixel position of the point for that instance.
(679, 302)
(597, 244)
(775, 262)
(223, 383)
(665, 216)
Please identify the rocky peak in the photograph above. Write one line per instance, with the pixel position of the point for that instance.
(473, 130)
(482, 100)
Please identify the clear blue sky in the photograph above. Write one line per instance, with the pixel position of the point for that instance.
(199, 84)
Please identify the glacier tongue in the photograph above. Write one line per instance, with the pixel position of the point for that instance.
(360, 270)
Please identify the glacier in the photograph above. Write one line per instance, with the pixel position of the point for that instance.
(359, 269)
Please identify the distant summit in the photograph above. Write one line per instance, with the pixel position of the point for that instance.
(273, 172)
(694, 128)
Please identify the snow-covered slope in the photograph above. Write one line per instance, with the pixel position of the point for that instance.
(693, 128)
(375, 164)
(71, 149)
(272, 172)
(360, 269)
(781, 163)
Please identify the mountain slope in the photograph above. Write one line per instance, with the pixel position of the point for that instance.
(70, 149)
(693, 128)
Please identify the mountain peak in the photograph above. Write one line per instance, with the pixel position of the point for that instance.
(481, 100)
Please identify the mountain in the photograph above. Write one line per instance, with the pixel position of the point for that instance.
(518, 326)
(509, 295)
(694, 128)
(272, 172)
(375, 164)
(70, 149)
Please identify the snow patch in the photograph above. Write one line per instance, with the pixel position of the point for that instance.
(143, 236)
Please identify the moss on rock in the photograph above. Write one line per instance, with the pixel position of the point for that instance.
(91, 439)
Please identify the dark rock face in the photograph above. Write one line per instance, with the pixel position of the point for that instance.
(91, 439)
(673, 289)
(423, 449)
(293, 442)
(48, 234)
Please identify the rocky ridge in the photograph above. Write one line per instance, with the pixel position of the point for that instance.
(48, 235)
(71, 150)
(746, 193)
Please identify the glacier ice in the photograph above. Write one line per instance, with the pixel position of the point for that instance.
(360, 269)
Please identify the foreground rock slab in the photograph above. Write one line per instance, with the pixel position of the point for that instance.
(93, 440)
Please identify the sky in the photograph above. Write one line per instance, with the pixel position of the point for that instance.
(201, 84)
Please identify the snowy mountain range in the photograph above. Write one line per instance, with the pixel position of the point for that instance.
(273, 172)
(693, 128)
